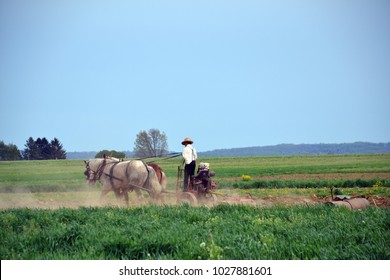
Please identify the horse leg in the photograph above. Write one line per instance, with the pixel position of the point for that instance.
(156, 188)
(137, 192)
(103, 193)
(126, 195)
(161, 199)
(118, 194)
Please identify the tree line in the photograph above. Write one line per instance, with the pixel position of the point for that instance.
(9, 152)
(151, 143)
(39, 149)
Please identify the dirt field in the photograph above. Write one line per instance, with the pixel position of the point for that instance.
(92, 199)
(84, 199)
(54, 200)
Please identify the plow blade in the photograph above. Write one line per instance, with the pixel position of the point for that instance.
(353, 204)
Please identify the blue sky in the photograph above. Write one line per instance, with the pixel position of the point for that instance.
(227, 74)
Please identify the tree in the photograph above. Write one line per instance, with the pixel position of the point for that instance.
(42, 149)
(57, 150)
(31, 151)
(150, 144)
(9, 152)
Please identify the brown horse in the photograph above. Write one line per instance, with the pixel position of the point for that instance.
(162, 178)
(124, 176)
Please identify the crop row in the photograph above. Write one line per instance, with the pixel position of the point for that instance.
(255, 184)
(311, 184)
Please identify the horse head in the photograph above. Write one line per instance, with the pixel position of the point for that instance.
(93, 169)
(89, 173)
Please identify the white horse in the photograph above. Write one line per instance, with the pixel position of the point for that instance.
(124, 176)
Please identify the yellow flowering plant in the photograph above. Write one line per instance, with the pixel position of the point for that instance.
(246, 178)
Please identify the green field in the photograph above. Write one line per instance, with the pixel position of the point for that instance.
(63, 183)
(183, 232)
(49, 212)
(63, 175)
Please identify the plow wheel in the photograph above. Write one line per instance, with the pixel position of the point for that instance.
(189, 198)
(211, 198)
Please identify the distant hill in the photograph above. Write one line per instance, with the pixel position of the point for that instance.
(278, 150)
(302, 149)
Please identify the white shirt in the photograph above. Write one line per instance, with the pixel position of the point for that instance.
(189, 154)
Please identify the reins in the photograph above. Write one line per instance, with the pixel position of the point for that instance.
(99, 172)
(168, 156)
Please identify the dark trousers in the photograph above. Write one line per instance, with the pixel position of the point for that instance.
(189, 170)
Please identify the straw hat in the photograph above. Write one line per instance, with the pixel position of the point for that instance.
(187, 140)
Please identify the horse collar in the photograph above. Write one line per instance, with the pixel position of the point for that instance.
(99, 171)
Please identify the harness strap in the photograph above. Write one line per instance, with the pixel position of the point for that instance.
(111, 175)
(147, 178)
(99, 171)
(127, 174)
(127, 170)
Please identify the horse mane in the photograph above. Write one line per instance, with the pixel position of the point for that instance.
(112, 158)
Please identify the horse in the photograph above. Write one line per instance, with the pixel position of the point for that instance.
(162, 178)
(124, 176)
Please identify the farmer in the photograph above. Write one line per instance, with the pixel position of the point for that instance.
(189, 159)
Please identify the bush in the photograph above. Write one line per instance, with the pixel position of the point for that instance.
(246, 178)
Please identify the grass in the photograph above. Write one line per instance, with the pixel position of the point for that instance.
(48, 175)
(183, 232)
(262, 166)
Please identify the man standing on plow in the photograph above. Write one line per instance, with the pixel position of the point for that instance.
(189, 159)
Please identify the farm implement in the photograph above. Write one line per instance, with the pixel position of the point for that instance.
(351, 202)
(201, 188)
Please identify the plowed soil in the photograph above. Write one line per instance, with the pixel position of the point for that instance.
(56, 200)
(85, 199)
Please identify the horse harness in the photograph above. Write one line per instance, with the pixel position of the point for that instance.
(99, 172)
